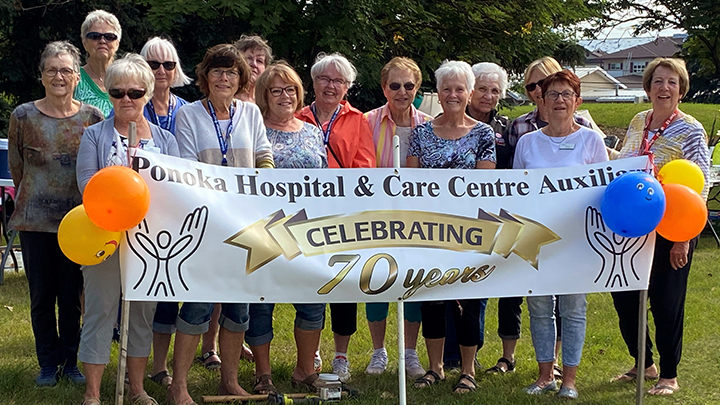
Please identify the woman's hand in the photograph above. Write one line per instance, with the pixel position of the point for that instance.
(679, 254)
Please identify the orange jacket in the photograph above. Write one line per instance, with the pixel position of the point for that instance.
(350, 139)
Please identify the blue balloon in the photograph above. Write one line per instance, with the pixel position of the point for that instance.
(633, 204)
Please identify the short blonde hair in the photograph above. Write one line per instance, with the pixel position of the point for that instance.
(255, 42)
(131, 67)
(674, 64)
(160, 46)
(100, 16)
(455, 68)
(282, 70)
(401, 63)
(547, 65)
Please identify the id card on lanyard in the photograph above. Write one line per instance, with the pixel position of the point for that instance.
(646, 144)
(154, 117)
(222, 140)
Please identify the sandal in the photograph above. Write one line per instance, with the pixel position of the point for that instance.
(247, 354)
(163, 379)
(264, 385)
(510, 367)
(212, 364)
(632, 376)
(312, 383)
(143, 399)
(430, 378)
(91, 401)
(464, 388)
(658, 389)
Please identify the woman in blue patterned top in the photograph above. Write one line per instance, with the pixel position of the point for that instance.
(456, 141)
(295, 144)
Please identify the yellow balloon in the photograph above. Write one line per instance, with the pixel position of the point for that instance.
(84, 242)
(685, 172)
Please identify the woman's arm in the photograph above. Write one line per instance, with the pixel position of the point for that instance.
(186, 141)
(15, 150)
(87, 158)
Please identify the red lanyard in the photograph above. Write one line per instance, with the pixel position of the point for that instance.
(645, 145)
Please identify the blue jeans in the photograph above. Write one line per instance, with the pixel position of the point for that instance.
(544, 334)
(307, 317)
(194, 317)
(165, 316)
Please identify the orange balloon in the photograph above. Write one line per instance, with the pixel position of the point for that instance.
(685, 214)
(116, 198)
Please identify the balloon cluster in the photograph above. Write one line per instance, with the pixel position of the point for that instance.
(635, 204)
(115, 199)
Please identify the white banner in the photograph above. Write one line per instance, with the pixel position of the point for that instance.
(222, 234)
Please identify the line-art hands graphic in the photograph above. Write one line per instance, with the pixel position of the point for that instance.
(160, 253)
(616, 252)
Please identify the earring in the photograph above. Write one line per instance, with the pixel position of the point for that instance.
(439, 102)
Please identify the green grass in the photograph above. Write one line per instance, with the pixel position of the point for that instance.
(618, 115)
(604, 355)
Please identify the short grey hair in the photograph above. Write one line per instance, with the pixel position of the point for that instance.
(100, 16)
(131, 67)
(162, 47)
(341, 63)
(58, 48)
(455, 68)
(491, 71)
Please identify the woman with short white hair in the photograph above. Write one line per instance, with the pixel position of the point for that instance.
(454, 140)
(349, 143)
(491, 82)
(130, 84)
(100, 34)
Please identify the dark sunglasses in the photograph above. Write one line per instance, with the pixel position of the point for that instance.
(134, 94)
(409, 86)
(154, 65)
(95, 36)
(530, 87)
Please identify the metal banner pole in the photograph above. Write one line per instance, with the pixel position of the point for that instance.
(402, 387)
(642, 336)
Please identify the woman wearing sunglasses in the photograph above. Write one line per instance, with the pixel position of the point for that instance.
(400, 80)
(295, 144)
(100, 34)
(130, 84)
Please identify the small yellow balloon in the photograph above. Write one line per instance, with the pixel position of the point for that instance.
(84, 242)
(685, 172)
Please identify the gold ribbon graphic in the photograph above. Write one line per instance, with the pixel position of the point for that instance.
(292, 235)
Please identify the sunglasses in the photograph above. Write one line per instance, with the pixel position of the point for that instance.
(95, 36)
(409, 86)
(155, 65)
(134, 94)
(530, 87)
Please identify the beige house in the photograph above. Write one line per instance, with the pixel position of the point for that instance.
(632, 61)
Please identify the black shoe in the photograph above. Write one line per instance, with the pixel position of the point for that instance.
(48, 377)
(73, 374)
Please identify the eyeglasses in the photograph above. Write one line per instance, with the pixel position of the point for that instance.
(324, 80)
(566, 95)
(231, 74)
(278, 91)
(530, 87)
(409, 86)
(134, 94)
(95, 36)
(155, 65)
(64, 72)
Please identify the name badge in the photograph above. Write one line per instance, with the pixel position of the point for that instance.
(567, 146)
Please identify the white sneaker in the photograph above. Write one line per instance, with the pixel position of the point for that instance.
(317, 362)
(341, 368)
(378, 362)
(413, 368)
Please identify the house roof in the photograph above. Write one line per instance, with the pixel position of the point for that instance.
(611, 45)
(661, 47)
(588, 70)
(632, 80)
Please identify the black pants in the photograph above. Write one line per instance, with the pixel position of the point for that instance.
(52, 278)
(509, 315)
(666, 291)
(343, 318)
(467, 320)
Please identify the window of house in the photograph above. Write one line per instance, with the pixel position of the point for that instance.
(615, 66)
(639, 67)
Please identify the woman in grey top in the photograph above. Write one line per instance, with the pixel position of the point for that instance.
(130, 83)
(43, 145)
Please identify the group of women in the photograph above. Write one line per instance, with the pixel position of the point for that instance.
(252, 115)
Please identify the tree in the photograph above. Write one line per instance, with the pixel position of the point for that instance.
(696, 17)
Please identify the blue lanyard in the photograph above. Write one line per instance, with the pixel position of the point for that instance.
(326, 134)
(154, 117)
(222, 140)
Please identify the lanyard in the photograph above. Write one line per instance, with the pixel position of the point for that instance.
(645, 145)
(154, 117)
(326, 134)
(222, 140)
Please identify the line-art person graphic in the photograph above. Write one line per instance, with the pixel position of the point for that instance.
(163, 250)
(616, 252)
